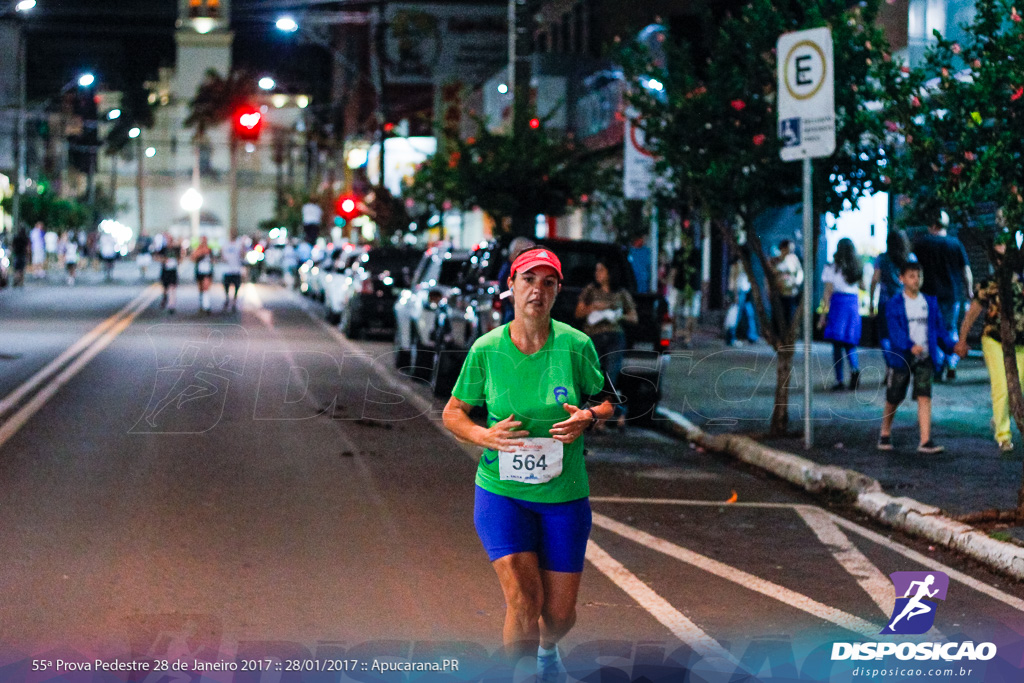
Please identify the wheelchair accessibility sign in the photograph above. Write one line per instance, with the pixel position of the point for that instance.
(807, 120)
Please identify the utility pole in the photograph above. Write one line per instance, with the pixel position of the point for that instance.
(520, 54)
(19, 148)
(140, 183)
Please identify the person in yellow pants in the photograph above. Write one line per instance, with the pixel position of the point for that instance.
(986, 299)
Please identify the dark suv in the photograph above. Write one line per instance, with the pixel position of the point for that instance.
(378, 277)
(474, 308)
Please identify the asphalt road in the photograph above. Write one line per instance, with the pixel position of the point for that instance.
(254, 486)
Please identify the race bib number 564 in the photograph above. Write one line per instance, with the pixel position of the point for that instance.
(539, 461)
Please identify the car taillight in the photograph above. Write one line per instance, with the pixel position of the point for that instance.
(666, 331)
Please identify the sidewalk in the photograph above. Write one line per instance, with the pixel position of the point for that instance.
(731, 390)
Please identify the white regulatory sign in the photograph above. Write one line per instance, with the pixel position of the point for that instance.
(807, 99)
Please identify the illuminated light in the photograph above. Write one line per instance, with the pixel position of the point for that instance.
(85, 80)
(302, 101)
(278, 100)
(388, 281)
(24, 5)
(191, 201)
(348, 205)
(357, 157)
(287, 24)
(389, 127)
(250, 148)
(150, 152)
(655, 84)
(135, 132)
(267, 83)
(114, 114)
(204, 24)
(534, 123)
(502, 88)
(250, 120)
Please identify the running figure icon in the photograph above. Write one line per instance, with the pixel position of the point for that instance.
(914, 612)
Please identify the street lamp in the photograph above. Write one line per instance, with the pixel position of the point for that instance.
(113, 114)
(287, 23)
(86, 79)
(191, 202)
(19, 147)
(267, 83)
(134, 132)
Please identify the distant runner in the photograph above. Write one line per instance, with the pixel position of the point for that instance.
(203, 258)
(169, 257)
(231, 255)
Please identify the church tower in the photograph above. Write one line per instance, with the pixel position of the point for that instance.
(203, 43)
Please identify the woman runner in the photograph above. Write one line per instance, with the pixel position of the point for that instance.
(532, 508)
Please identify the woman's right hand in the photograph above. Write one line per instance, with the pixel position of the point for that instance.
(504, 435)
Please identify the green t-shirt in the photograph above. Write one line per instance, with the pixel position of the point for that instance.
(533, 388)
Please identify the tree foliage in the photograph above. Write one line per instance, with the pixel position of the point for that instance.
(713, 124)
(505, 175)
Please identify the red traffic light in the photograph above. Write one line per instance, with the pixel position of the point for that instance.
(248, 122)
(348, 206)
(534, 123)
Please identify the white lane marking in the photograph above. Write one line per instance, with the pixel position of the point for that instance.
(754, 583)
(870, 578)
(402, 387)
(977, 585)
(18, 419)
(15, 397)
(659, 608)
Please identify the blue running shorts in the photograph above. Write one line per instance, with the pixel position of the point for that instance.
(557, 532)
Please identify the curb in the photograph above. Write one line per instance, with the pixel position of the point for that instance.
(906, 514)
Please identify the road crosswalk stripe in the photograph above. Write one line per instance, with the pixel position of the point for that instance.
(674, 620)
(873, 581)
(977, 585)
(797, 600)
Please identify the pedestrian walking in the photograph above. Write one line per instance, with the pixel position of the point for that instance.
(144, 254)
(916, 335)
(202, 257)
(515, 248)
(231, 256)
(532, 508)
(789, 279)
(742, 308)
(945, 269)
(38, 238)
(169, 257)
(840, 308)
(21, 246)
(312, 217)
(108, 254)
(987, 301)
(685, 294)
(70, 256)
(604, 305)
(886, 278)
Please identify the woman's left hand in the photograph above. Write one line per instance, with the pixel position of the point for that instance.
(569, 430)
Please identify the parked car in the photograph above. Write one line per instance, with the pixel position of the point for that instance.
(375, 281)
(337, 283)
(273, 258)
(475, 309)
(416, 309)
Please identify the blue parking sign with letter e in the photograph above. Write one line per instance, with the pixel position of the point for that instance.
(789, 132)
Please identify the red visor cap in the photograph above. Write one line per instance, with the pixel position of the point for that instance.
(529, 260)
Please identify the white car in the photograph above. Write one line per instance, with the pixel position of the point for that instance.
(337, 284)
(436, 276)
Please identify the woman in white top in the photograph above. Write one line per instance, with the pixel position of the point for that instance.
(841, 310)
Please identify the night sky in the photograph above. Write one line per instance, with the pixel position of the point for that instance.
(124, 42)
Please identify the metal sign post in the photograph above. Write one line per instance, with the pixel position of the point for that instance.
(807, 128)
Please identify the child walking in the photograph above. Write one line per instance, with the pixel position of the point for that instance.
(916, 338)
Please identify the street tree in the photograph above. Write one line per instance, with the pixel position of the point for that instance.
(963, 151)
(216, 100)
(712, 121)
(509, 177)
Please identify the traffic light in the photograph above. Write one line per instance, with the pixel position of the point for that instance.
(248, 122)
(348, 206)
